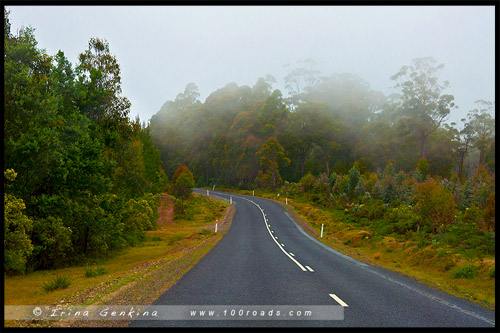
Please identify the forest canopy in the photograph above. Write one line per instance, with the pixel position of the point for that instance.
(324, 125)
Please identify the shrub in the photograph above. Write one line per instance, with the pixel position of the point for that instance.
(423, 167)
(371, 210)
(466, 271)
(58, 282)
(307, 182)
(51, 241)
(402, 219)
(174, 239)
(205, 231)
(353, 180)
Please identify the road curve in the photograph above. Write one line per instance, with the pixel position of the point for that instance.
(265, 259)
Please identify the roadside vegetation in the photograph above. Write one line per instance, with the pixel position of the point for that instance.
(438, 231)
(134, 275)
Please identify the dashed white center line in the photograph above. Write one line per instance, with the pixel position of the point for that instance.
(310, 269)
(341, 302)
(274, 238)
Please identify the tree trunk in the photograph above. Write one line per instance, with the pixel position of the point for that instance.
(461, 167)
(422, 144)
(274, 179)
(481, 156)
(85, 241)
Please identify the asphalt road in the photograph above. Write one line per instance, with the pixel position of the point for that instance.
(266, 259)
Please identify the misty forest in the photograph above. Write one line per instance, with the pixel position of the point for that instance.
(81, 178)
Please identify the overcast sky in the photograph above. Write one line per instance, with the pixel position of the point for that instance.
(161, 49)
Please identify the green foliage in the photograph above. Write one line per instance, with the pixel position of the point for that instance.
(52, 243)
(205, 231)
(466, 271)
(87, 175)
(183, 182)
(352, 183)
(137, 217)
(402, 219)
(17, 228)
(271, 158)
(307, 182)
(423, 167)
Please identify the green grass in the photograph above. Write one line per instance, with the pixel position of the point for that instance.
(57, 282)
(95, 272)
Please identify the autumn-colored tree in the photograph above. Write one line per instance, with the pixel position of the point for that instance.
(434, 205)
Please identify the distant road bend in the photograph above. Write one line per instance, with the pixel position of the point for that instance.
(265, 259)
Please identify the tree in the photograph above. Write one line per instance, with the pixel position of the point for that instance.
(183, 182)
(422, 101)
(17, 227)
(100, 81)
(262, 88)
(299, 80)
(434, 205)
(272, 157)
(463, 140)
(272, 114)
(188, 97)
(483, 126)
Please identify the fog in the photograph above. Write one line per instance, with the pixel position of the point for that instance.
(162, 49)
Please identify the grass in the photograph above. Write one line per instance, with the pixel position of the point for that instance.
(86, 284)
(57, 282)
(94, 272)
